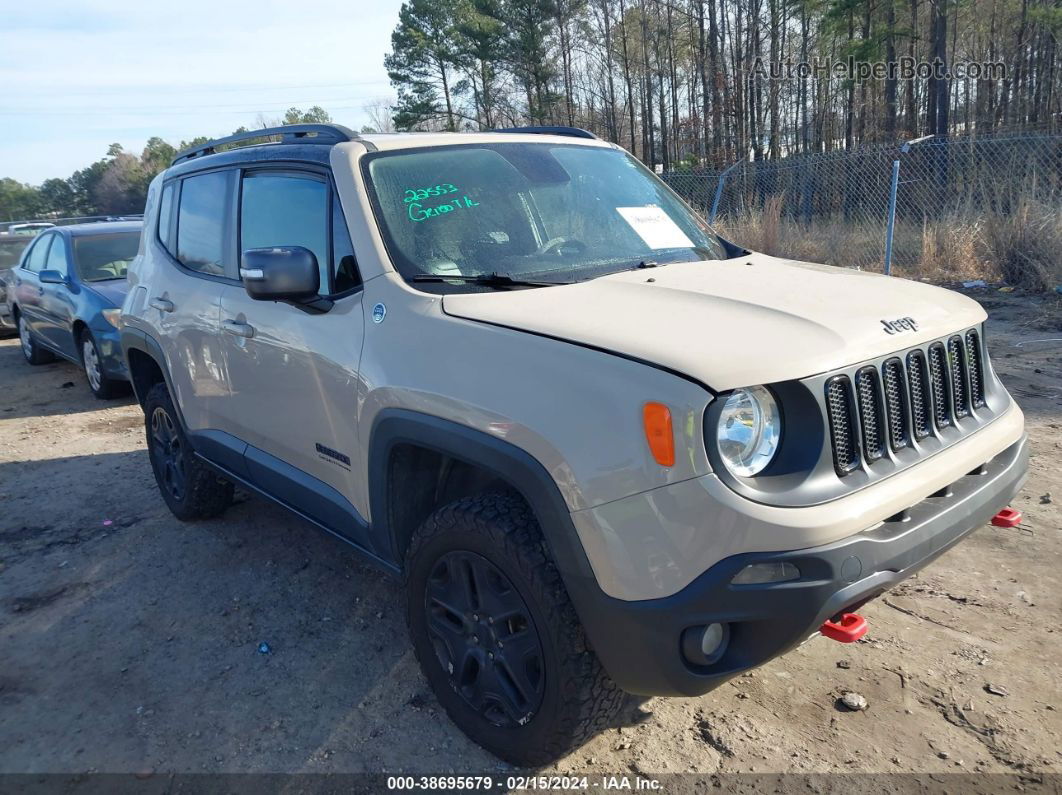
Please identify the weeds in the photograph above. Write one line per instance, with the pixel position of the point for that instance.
(1022, 247)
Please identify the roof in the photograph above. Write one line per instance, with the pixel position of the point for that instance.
(264, 153)
(408, 140)
(99, 228)
(315, 150)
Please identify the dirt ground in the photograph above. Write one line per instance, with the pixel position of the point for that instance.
(130, 642)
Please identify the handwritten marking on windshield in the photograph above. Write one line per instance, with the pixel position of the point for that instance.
(417, 212)
(416, 194)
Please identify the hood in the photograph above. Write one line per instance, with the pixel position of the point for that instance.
(739, 322)
(112, 290)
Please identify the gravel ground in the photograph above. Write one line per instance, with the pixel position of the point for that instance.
(130, 642)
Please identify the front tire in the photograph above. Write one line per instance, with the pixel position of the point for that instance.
(33, 352)
(101, 385)
(497, 636)
(191, 489)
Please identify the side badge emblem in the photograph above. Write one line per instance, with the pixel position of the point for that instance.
(379, 312)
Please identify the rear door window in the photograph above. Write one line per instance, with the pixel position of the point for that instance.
(202, 222)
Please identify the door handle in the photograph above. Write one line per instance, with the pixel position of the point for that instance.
(161, 304)
(239, 329)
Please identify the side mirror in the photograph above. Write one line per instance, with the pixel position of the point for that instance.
(55, 277)
(282, 273)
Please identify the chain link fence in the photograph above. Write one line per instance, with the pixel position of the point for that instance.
(964, 208)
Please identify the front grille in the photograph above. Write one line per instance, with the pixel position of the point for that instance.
(938, 375)
(973, 360)
(842, 425)
(957, 361)
(895, 403)
(918, 378)
(870, 414)
(909, 400)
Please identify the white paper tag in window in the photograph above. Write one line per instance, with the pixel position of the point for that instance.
(655, 227)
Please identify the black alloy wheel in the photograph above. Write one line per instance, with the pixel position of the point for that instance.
(167, 450)
(484, 638)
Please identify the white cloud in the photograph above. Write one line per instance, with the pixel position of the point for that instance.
(77, 80)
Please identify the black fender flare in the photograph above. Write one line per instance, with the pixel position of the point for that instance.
(596, 610)
(134, 339)
(517, 467)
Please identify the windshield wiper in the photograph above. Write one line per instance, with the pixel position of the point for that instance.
(500, 280)
(642, 264)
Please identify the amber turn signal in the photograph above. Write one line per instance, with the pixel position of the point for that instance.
(657, 419)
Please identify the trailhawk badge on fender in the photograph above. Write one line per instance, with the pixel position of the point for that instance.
(379, 312)
(891, 326)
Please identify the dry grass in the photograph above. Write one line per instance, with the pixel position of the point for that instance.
(1023, 248)
(833, 241)
(1027, 245)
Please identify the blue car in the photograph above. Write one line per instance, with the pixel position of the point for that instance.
(66, 296)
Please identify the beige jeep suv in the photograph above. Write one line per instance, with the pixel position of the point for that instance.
(603, 449)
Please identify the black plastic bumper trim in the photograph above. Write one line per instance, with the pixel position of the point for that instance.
(639, 642)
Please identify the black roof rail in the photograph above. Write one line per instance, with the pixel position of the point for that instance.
(572, 132)
(289, 133)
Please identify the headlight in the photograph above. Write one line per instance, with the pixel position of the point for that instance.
(113, 316)
(748, 431)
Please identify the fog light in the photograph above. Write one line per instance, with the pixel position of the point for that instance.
(705, 645)
(761, 573)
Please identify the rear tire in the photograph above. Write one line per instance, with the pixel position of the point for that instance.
(33, 352)
(101, 385)
(507, 656)
(191, 489)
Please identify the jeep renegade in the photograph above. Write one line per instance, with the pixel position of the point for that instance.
(604, 449)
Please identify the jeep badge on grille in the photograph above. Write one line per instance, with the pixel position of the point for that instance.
(900, 324)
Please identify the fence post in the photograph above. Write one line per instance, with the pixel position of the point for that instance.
(719, 191)
(891, 225)
(892, 214)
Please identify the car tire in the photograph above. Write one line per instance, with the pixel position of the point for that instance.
(526, 687)
(33, 352)
(101, 385)
(190, 488)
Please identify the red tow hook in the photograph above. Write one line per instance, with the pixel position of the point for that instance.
(1008, 517)
(849, 629)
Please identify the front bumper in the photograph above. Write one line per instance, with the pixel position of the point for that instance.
(108, 342)
(638, 642)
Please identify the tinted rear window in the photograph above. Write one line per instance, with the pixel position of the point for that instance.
(201, 222)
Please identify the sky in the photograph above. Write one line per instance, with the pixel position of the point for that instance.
(78, 75)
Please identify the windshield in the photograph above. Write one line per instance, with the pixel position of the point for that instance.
(103, 257)
(528, 211)
(11, 249)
